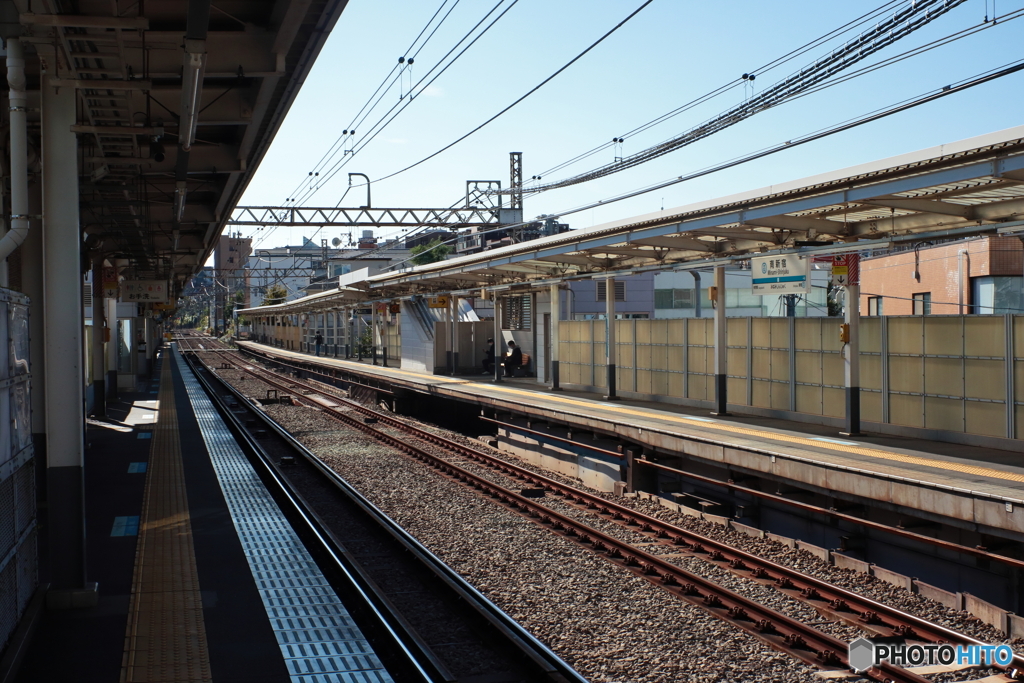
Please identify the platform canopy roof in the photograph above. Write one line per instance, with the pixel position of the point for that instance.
(975, 186)
(150, 196)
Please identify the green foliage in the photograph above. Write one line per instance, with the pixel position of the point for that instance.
(430, 253)
(364, 344)
(275, 294)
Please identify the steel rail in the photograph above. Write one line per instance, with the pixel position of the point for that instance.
(929, 540)
(317, 538)
(782, 632)
(830, 600)
(536, 656)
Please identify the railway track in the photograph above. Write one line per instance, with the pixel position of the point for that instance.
(442, 629)
(789, 635)
(796, 639)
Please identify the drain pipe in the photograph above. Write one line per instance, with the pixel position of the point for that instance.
(19, 156)
(696, 292)
(960, 255)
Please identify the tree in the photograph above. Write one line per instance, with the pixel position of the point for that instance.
(275, 294)
(436, 250)
(237, 300)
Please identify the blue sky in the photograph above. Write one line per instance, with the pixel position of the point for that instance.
(670, 53)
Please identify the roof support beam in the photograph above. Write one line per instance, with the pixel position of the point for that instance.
(681, 243)
(923, 206)
(85, 21)
(799, 224)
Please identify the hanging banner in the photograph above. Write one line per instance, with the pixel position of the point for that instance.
(144, 290)
(787, 274)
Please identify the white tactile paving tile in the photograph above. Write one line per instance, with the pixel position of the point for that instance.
(319, 641)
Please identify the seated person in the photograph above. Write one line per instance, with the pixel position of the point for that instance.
(513, 360)
(489, 358)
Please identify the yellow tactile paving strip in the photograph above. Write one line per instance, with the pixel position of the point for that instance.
(166, 636)
(891, 456)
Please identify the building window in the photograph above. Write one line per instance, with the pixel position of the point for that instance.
(923, 303)
(620, 290)
(875, 305)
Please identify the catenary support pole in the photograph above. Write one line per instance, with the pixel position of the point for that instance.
(609, 336)
(851, 361)
(721, 345)
(65, 419)
(556, 314)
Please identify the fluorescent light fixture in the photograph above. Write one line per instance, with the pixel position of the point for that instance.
(191, 91)
(180, 192)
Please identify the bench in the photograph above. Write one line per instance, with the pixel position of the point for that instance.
(524, 369)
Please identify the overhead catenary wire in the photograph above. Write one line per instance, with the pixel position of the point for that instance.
(760, 71)
(391, 114)
(523, 97)
(792, 54)
(903, 105)
(1016, 14)
(902, 23)
(356, 120)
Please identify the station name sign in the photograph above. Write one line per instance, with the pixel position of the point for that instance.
(785, 274)
(154, 291)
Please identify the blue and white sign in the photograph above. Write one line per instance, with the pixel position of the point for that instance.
(785, 274)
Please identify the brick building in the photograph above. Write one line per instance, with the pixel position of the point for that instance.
(981, 275)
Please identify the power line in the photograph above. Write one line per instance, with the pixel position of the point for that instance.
(760, 71)
(331, 152)
(902, 23)
(530, 92)
(899, 107)
(384, 121)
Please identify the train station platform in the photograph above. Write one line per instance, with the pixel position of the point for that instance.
(178, 526)
(977, 489)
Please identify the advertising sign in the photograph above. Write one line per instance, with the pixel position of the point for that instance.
(144, 290)
(786, 274)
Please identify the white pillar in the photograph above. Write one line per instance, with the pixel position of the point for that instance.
(721, 345)
(455, 334)
(556, 315)
(32, 284)
(99, 321)
(498, 341)
(373, 331)
(609, 336)
(111, 305)
(62, 282)
(851, 361)
(19, 144)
